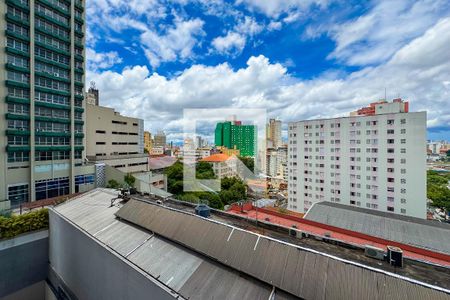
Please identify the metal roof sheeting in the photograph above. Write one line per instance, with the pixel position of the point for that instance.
(407, 230)
(188, 273)
(302, 272)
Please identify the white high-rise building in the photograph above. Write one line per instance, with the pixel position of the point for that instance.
(376, 158)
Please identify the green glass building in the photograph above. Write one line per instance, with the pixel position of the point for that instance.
(41, 99)
(237, 136)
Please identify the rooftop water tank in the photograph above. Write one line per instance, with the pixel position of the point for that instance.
(202, 210)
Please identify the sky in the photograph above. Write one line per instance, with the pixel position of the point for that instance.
(298, 59)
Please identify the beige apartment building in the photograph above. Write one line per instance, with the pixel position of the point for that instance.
(115, 140)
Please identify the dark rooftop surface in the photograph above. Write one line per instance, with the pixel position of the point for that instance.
(424, 272)
(327, 259)
(185, 272)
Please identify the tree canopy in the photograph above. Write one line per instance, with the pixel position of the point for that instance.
(437, 190)
(232, 188)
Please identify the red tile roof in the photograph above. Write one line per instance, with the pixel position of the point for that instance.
(216, 158)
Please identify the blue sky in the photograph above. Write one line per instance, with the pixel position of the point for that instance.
(299, 59)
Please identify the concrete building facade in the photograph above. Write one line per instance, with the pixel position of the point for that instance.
(273, 134)
(375, 160)
(160, 139)
(115, 140)
(42, 100)
(223, 165)
(148, 142)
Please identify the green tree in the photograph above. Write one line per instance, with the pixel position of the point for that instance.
(437, 190)
(249, 162)
(214, 200)
(174, 175)
(113, 184)
(189, 197)
(129, 179)
(204, 170)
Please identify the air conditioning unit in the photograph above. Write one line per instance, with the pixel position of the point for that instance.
(395, 256)
(374, 252)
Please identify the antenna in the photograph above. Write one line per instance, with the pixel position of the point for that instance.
(385, 94)
(92, 85)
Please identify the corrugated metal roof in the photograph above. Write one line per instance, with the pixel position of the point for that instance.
(302, 272)
(408, 230)
(189, 273)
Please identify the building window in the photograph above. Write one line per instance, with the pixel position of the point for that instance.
(51, 188)
(82, 180)
(390, 208)
(403, 210)
(18, 194)
(19, 156)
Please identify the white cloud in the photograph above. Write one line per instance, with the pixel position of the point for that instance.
(170, 42)
(374, 37)
(103, 60)
(235, 40)
(274, 8)
(177, 42)
(418, 72)
(273, 25)
(232, 43)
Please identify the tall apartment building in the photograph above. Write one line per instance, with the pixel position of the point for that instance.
(374, 158)
(115, 140)
(41, 110)
(160, 139)
(273, 134)
(92, 95)
(148, 142)
(234, 135)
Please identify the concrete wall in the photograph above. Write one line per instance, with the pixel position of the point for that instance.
(35, 291)
(93, 272)
(124, 130)
(23, 261)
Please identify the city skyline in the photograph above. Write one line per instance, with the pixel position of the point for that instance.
(333, 56)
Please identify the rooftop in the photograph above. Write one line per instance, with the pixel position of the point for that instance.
(191, 255)
(186, 272)
(220, 157)
(161, 162)
(422, 233)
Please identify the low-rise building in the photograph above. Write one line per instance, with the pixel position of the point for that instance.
(223, 165)
(115, 140)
